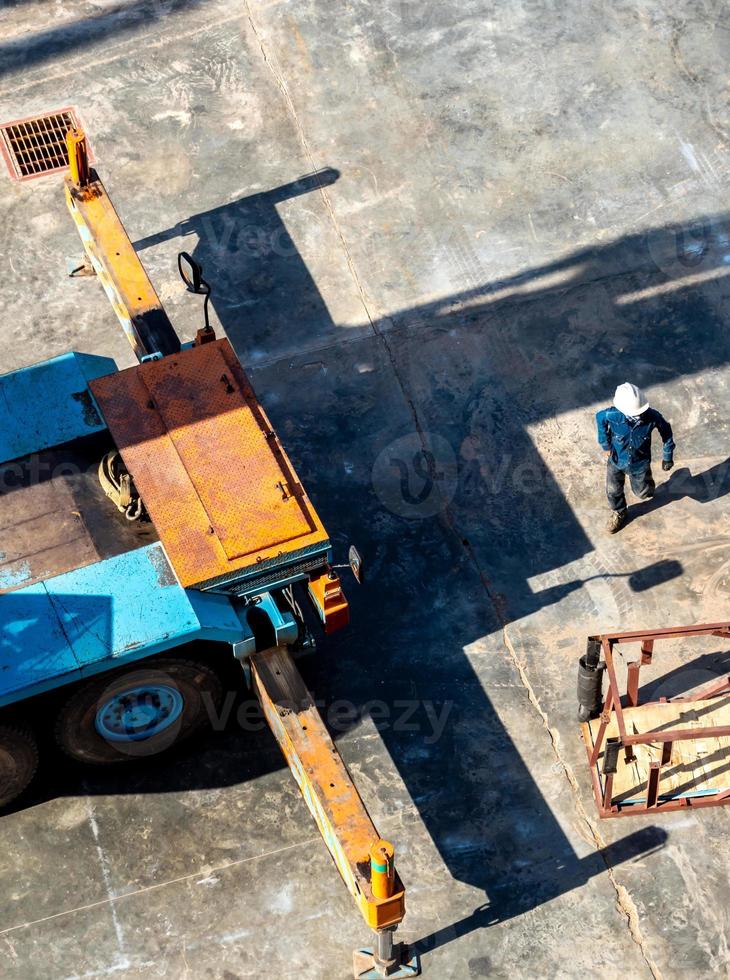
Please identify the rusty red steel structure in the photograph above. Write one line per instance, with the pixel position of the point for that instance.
(607, 753)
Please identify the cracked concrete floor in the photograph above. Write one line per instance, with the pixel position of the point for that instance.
(516, 207)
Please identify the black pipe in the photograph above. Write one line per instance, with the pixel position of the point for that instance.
(590, 682)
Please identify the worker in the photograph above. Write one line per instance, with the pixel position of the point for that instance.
(624, 434)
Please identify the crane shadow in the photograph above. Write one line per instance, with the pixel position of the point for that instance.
(431, 602)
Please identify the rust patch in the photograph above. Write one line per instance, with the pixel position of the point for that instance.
(88, 409)
(214, 478)
(165, 574)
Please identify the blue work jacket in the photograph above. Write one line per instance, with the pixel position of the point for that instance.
(629, 440)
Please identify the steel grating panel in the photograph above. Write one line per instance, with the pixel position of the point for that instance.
(36, 146)
(218, 486)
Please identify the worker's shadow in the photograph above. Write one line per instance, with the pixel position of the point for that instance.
(704, 487)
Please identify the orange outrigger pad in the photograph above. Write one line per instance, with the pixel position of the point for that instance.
(208, 466)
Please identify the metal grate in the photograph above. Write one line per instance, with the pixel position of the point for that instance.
(37, 146)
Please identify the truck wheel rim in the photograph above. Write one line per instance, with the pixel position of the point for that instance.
(139, 713)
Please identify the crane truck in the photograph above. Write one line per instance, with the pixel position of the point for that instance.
(153, 527)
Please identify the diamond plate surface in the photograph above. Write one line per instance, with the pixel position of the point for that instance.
(216, 482)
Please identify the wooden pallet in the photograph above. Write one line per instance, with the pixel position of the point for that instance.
(695, 768)
(55, 517)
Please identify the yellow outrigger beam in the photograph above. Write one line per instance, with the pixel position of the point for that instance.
(113, 258)
(365, 861)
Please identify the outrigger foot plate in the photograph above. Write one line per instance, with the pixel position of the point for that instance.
(366, 967)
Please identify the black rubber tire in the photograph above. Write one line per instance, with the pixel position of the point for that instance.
(75, 727)
(18, 761)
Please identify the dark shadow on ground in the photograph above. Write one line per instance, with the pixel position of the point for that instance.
(522, 359)
(641, 580)
(704, 487)
(262, 291)
(703, 669)
(69, 37)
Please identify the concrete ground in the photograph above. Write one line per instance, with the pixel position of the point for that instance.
(516, 206)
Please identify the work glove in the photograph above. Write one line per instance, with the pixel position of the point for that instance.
(667, 464)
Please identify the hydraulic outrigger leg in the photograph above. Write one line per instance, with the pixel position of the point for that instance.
(365, 861)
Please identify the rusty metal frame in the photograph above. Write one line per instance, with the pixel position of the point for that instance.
(614, 704)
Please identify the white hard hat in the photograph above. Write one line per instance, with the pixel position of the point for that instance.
(630, 400)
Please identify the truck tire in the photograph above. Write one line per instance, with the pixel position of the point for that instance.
(139, 711)
(18, 761)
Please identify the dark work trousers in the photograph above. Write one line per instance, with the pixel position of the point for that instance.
(642, 484)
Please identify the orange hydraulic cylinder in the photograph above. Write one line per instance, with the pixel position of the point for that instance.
(78, 157)
(382, 869)
(326, 593)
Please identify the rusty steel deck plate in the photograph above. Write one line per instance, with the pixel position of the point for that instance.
(213, 476)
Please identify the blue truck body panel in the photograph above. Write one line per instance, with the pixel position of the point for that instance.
(94, 618)
(33, 647)
(49, 404)
(14, 575)
(123, 608)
